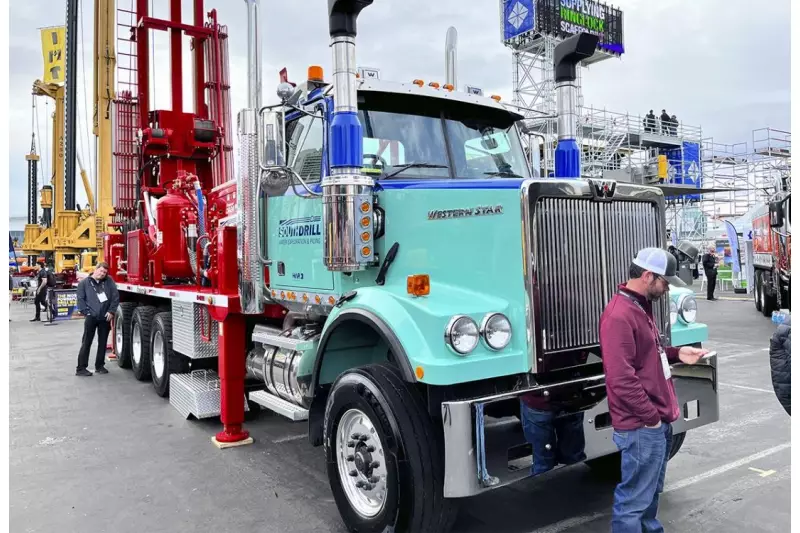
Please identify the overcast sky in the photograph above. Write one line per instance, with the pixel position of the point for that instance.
(719, 64)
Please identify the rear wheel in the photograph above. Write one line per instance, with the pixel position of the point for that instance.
(140, 341)
(123, 319)
(164, 361)
(768, 299)
(757, 296)
(384, 456)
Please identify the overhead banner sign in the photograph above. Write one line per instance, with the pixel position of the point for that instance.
(54, 54)
(564, 18)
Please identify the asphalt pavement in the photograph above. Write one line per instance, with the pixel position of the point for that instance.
(105, 454)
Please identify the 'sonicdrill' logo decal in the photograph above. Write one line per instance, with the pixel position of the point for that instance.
(481, 210)
(306, 230)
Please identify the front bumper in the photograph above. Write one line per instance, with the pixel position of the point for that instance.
(482, 454)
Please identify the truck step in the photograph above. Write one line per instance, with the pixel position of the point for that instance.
(197, 393)
(282, 407)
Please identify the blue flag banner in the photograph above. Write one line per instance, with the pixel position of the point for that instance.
(733, 239)
(518, 17)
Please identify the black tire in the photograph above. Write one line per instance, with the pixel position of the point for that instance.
(174, 363)
(609, 467)
(677, 443)
(769, 299)
(142, 323)
(757, 290)
(123, 320)
(413, 453)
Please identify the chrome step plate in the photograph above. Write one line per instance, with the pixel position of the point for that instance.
(282, 407)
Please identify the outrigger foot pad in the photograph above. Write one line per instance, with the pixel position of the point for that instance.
(223, 445)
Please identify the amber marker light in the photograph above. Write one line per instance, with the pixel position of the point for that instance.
(418, 285)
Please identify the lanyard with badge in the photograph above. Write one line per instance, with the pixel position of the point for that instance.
(101, 292)
(656, 336)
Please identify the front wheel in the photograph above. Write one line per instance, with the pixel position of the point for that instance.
(385, 459)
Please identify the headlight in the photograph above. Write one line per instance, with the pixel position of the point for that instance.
(462, 334)
(673, 312)
(496, 331)
(688, 309)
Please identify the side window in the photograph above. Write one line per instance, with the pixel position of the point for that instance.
(304, 147)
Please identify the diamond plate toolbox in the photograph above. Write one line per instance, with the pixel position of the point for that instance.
(197, 393)
(194, 333)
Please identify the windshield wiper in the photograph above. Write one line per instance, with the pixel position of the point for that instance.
(504, 173)
(403, 168)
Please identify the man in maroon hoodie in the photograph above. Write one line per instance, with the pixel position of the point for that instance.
(641, 396)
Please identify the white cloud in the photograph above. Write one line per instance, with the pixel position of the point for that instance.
(719, 64)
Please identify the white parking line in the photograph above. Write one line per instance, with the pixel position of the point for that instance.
(290, 438)
(724, 468)
(585, 519)
(746, 388)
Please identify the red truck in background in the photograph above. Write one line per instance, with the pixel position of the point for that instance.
(772, 250)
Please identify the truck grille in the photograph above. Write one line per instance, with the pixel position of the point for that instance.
(582, 249)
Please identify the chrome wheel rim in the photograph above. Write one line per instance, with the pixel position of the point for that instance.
(136, 341)
(158, 354)
(361, 462)
(118, 335)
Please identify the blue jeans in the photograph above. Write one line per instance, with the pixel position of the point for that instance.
(645, 452)
(555, 439)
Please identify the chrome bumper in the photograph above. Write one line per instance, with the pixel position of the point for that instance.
(477, 448)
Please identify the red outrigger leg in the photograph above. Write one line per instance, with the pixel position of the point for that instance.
(232, 374)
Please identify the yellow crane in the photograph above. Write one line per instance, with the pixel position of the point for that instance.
(72, 237)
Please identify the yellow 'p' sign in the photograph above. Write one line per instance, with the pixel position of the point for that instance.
(54, 53)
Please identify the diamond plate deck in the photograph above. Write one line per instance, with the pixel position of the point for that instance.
(196, 393)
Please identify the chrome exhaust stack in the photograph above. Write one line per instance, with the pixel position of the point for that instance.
(451, 57)
(251, 272)
(347, 194)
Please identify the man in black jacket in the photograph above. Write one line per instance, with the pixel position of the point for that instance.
(710, 269)
(780, 362)
(98, 300)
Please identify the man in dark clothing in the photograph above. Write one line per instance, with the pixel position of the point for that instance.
(98, 300)
(665, 120)
(710, 270)
(44, 278)
(650, 122)
(641, 396)
(780, 362)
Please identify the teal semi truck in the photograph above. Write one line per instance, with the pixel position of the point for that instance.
(400, 279)
(432, 282)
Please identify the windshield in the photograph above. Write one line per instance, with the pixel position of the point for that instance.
(463, 148)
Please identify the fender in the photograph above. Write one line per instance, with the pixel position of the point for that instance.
(370, 319)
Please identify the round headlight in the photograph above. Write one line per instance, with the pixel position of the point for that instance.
(673, 312)
(688, 309)
(496, 331)
(462, 334)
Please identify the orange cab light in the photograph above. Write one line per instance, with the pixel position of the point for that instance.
(418, 82)
(496, 97)
(315, 73)
(447, 87)
(365, 236)
(433, 84)
(420, 372)
(419, 285)
(317, 299)
(364, 222)
(366, 250)
(364, 207)
(331, 300)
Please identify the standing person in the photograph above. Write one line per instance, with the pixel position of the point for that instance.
(641, 396)
(664, 122)
(780, 362)
(650, 120)
(98, 300)
(44, 278)
(710, 270)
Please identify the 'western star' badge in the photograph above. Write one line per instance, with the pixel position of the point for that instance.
(481, 210)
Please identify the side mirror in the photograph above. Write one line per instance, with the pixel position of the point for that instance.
(272, 133)
(776, 214)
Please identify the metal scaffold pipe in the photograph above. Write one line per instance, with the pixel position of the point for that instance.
(71, 107)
